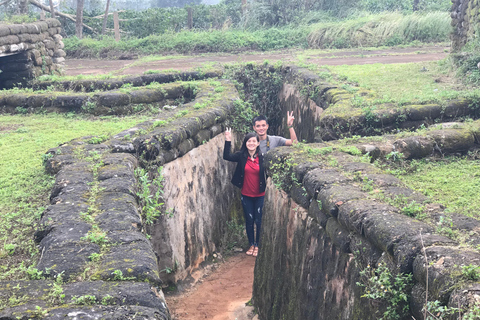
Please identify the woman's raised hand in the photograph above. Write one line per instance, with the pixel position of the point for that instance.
(228, 134)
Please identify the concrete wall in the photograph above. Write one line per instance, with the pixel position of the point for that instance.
(30, 50)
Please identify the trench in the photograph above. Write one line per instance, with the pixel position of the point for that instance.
(318, 216)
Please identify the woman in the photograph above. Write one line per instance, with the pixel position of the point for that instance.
(249, 176)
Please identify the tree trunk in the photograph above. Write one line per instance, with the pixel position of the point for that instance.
(23, 7)
(189, 18)
(52, 9)
(105, 17)
(79, 22)
(415, 5)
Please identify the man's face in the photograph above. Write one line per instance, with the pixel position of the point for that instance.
(261, 127)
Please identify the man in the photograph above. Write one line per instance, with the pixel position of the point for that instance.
(260, 126)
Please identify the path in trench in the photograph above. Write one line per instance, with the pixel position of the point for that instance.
(220, 295)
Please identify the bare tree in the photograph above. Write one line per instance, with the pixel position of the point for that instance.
(79, 22)
(104, 27)
(22, 6)
(52, 9)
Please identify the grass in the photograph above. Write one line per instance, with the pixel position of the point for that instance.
(24, 185)
(453, 182)
(405, 82)
(388, 29)
(186, 42)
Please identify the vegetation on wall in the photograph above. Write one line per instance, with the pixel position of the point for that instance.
(259, 86)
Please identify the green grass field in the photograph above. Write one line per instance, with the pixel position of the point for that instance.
(24, 185)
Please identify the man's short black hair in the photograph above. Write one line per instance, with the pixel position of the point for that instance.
(259, 118)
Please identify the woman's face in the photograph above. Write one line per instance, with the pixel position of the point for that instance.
(252, 144)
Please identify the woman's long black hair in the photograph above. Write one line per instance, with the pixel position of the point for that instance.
(244, 149)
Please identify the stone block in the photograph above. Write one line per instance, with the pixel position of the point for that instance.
(49, 44)
(8, 40)
(18, 47)
(69, 102)
(4, 30)
(415, 147)
(58, 38)
(35, 38)
(146, 96)
(52, 31)
(42, 36)
(118, 213)
(444, 265)
(453, 140)
(58, 60)
(33, 29)
(112, 99)
(65, 250)
(42, 25)
(52, 22)
(47, 60)
(133, 256)
(15, 29)
(16, 100)
(25, 37)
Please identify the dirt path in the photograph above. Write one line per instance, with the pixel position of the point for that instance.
(220, 295)
(122, 67)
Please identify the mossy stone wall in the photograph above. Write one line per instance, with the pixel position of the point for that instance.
(30, 50)
(323, 225)
(465, 19)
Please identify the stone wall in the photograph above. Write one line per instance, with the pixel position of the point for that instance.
(325, 112)
(30, 50)
(324, 226)
(465, 16)
(93, 235)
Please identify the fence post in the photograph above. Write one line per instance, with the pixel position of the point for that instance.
(116, 25)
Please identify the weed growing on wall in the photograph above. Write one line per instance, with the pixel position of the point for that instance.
(381, 285)
(241, 118)
(259, 86)
(150, 194)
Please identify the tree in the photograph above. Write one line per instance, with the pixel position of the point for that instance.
(104, 26)
(52, 9)
(79, 20)
(22, 6)
(175, 3)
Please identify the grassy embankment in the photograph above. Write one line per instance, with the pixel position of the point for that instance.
(453, 181)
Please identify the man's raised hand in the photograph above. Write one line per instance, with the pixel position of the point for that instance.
(290, 118)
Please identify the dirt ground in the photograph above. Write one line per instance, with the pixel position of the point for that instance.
(225, 289)
(221, 294)
(76, 67)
